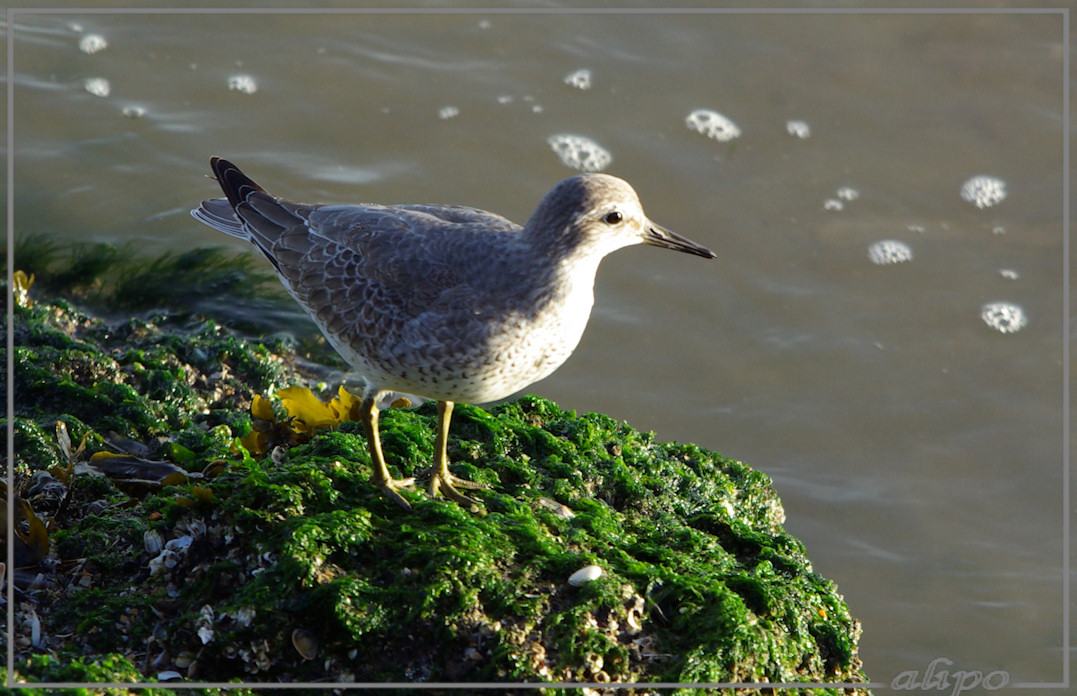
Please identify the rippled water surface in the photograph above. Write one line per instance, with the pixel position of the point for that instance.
(917, 447)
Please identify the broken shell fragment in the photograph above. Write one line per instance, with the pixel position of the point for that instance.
(584, 575)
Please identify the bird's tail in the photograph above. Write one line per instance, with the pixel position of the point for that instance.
(219, 213)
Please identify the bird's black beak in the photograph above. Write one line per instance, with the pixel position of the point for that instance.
(659, 236)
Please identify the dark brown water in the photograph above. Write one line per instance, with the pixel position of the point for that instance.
(919, 452)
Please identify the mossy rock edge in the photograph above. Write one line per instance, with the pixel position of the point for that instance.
(293, 568)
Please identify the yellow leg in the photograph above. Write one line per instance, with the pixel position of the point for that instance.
(381, 478)
(441, 478)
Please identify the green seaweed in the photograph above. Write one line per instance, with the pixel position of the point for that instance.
(701, 583)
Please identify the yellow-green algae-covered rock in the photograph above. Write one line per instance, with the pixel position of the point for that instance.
(289, 566)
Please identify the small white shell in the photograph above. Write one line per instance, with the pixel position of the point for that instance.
(585, 575)
(152, 541)
(205, 624)
(35, 630)
(306, 643)
(557, 508)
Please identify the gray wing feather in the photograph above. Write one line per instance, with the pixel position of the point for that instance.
(406, 274)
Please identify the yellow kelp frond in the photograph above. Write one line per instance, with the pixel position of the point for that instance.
(21, 288)
(261, 408)
(345, 406)
(307, 411)
(266, 431)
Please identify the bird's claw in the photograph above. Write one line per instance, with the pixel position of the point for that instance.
(446, 483)
(390, 488)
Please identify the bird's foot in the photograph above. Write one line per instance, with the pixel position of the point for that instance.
(447, 483)
(390, 487)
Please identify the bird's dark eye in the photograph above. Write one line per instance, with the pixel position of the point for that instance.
(612, 218)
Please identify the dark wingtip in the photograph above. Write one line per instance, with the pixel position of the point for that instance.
(235, 184)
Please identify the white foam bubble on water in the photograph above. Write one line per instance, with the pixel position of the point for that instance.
(242, 83)
(1009, 273)
(712, 124)
(580, 79)
(799, 129)
(133, 111)
(984, 191)
(1004, 317)
(580, 152)
(97, 86)
(848, 193)
(92, 43)
(833, 204)
(889, 251)
(447, 112)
